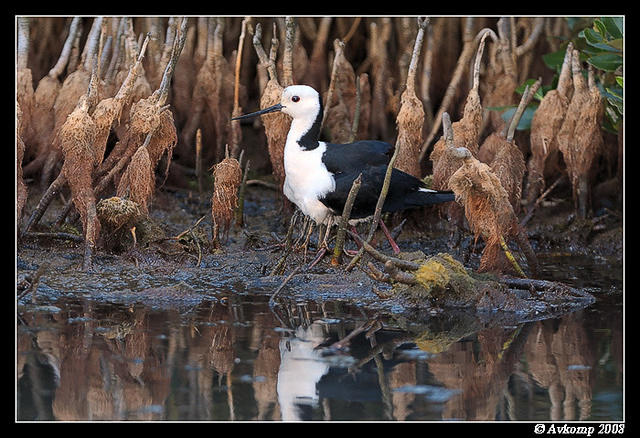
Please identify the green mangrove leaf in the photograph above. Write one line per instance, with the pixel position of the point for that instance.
(614, 26)
(606, 61)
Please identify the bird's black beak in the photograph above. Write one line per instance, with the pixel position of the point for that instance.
(276, 107)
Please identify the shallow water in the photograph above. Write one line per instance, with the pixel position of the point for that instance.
(232, 357)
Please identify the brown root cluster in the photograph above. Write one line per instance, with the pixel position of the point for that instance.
(504, 156)
(114, 106)
(410, 119)
(276, 125)
(227, 176)
(117, 217)
(138, 180)
(340, 99)
(81, 137)
(464, 134)
(490, 215)
(580, 137)
(545, 125)
(76, 139)
(21, 187)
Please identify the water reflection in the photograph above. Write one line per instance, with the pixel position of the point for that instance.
(238, 360)
(301, 367)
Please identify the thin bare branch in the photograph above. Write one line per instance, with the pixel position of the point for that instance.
(378, 210)
(564, 81)
(344, 220)
(268, 62)
(287, 58)
(417, 48)
(163, 91)
(524, 101)
(57, 69)
(92, 43)
(533, 37)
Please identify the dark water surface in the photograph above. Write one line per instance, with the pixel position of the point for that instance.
(234, 358)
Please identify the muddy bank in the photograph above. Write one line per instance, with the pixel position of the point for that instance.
(166, 272)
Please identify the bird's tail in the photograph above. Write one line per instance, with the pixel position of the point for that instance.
(430, 197)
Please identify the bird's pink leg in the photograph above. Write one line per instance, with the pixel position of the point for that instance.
(394, 245)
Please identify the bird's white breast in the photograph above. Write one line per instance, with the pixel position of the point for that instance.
(307, 178)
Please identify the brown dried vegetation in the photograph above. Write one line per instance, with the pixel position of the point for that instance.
(136, 124)
(21, 187)
(503, 155)
(546, 123)
(276, 125)
(340, 100)
(76, 139)
(489, 213)
(227, 176)
(465, 132)
(580, 137)
(410, 118)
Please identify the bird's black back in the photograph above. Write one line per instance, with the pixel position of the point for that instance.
(403, 192)
(351, 157)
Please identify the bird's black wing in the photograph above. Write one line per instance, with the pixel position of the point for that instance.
(403, 192)
(351, 157)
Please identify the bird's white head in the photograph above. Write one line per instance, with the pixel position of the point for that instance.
(300, 102)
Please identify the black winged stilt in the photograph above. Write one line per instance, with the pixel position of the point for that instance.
(319, 175)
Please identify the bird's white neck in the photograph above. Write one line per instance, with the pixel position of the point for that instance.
(306, 177)
(305, 130)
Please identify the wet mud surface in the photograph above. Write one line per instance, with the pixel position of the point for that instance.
(164, 271)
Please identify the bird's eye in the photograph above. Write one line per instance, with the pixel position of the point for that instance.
(295, 98)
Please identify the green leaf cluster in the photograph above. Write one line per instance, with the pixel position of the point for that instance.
(600, 42)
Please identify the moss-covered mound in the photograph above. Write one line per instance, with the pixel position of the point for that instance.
(440, 281)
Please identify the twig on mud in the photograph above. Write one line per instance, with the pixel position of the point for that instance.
(399, 275)
(198, 169)
(529, 214)
(344, 220)
(188, 230)
(193, 236)
(378, 210)
(286, 280)
(376, 274)
(287, 245)
(404, 264)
